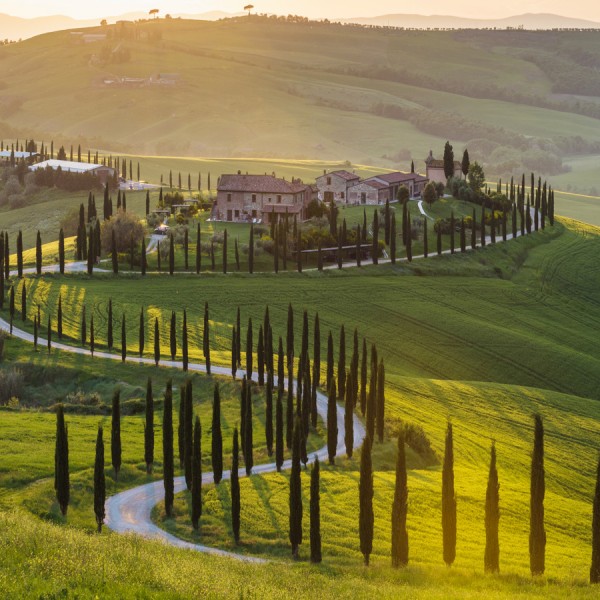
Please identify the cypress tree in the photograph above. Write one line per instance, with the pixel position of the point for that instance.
(319, 257)
(492, 517)
(61, 459)
(11, 307)
(537, 534)
(363, 379)
(115, 436)
(315, 514)
(349, 416)
(392, 239)
(332, 424)
(198, 251)
(493, 227)
(409, 240)
(279, 431)
(235, 489)
(206, 338)
(196, 468)
(289, 415)
(181, 425)
(425, 242)
(61, 252)
(358, 246)
(149, 428)
(173, 336)
(595, 568)
(184, 342)
(156, 342)
(217, 437)
(237, 254)
(248, 437)
(99, 481)
(299, 252)
(296, 491)
(109, 336)
(249, 350)
(400, 508)
(448, 501)
(365, 489)
(234, 362)
(168, 467)
(188, 433)
(147, 200)
(341, 383)
(142, 336)
(260, 357)
(514, 220)
(269, 414)
(38, 253)
(238, 337)
(123, 339)
(243, 400)
(330, 359)
(20, 254)
(35, 333)
(380, 411)
(375, 247)
(474, 231)
(23, 303)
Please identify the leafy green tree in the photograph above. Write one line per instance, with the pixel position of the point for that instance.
(537, 533)
(99, 481)
(62, 483)
(492, 517)
(448, 500)
(466, 163)
(115, 436)
(476, 177)
(365, 491)
(315, 514)
(403, 195)
(430, 193)
(196, 474)
(400, 508)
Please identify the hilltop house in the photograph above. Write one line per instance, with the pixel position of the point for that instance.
(244, 198)
(335, 186)
(435, 169)
(380, 188)
(103, 172)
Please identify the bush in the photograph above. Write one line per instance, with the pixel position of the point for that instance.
(11, 385)
(127, 227)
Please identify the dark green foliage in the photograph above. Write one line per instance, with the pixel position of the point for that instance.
(409, 240)
(595, 568)
(269, 414)
(448, 160)
(448, 501)
(249, 350)
(248, 433)
(537, 533)
(59, 317)
(425, 241)
(173, 335)
(332, 426)
(184, 342)
(329, 376)
(400, 508)
(99, 481)
(62, 483)
(365, 492)
(380, 411)
(349, 415)
(225, 251)
(217, 437)
(375, 246)
(143, 260)
(473, 231)
(279, 441)
(234, 362)
(315, 514)
(149, 428)
(439, 241)
(452, 231)
(123, 339)
(83, 327)
(171, 255)
(260, 357)
(466, 163)
(482, 233)
(363, 379)
(196, 473)
(341, 383)
(115, 433)
(206, 338)
(92, 338)
(463, 237)
(38, 253)
(372, 396)
(156, 342)
(296, 490)
(188, 432)
(168, 463)
(20, 254)
(492, 517)
(48, 334)
(23, 303)
(235, 488)
(114, 254)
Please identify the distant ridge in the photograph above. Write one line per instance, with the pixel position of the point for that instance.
(15, 28)
(527, 21)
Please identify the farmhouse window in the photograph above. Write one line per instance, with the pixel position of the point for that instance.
(228, 197)
(278, 199)
(329, 181)
(253, 197)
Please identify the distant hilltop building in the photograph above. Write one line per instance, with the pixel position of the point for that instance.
(253, 198)
(435, 169)
(103, 172)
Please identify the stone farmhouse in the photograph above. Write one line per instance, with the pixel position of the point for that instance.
(335, 185)
(435, 169)
(249, 198)
(380, 188)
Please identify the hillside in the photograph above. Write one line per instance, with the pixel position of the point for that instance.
(259, 87)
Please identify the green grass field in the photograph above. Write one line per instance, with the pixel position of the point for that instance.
(485, 339)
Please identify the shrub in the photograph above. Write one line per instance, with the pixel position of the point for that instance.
(11, 384)
(126, 227)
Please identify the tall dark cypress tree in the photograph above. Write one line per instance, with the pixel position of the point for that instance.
(196, 468)
(181, 425)
(149, 428)
(380, 412)
(171, 255)
(20, 254)
(234, 362)
(248, 434)
(92, 337)
(238, 337)
(173, 335)
(269, 414)
(23, 303)
(206, 338)
(62, 483)
(375, 244)
(225, 251)
(315, 514)
(393, 239)
(363, 379)
(537, 533)
(365, 491)
(115, 434)
(330, 360)
(260, 357)
(109, 335)
(482, 232)
(184, 342)
(123, 339)
(439, 240)
(188, 433)
(474, 230)
(114, 254)
(452, 231)
(332, 424)
(217, 437)
(61, 252)
(99, 481)
(425, 241)
(186, 249)
(349, 415)
(296, 490)
(341, 374)
(235, 489)
(279, 441)
(168, 463)
(249, 349)
(448, 500)
(595, 568)
(83, 327)
(492, 517)
(143, 260)
(400, 508)
(38, 253)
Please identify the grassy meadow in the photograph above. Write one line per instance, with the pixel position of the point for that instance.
(485, 339)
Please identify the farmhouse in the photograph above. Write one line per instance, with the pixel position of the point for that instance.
(335, 186)
(244, 198)
(103, 173)
(435, 169)
(369, 191)
(378, 189)
(10, 155)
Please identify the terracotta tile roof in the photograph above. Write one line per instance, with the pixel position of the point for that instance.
(345, 175)
(397, 177)
(261, 184)
(378, 185)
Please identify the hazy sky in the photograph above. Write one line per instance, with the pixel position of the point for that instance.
(589, 9)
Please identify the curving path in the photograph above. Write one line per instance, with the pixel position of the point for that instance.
(130, 511)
